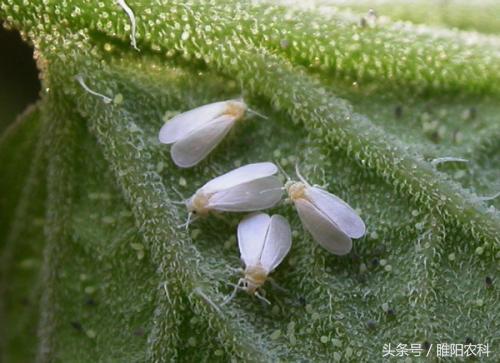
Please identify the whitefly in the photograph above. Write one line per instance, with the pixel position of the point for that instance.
(195, 133)
(249, 188)
(264, 242)
(331, 221)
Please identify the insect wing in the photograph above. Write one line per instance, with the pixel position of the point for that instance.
(323, 230)
(337, 211)
(277, 243)
(247, 197)
(190, 150)
(241, 175)
(183, 124)
(251, 236)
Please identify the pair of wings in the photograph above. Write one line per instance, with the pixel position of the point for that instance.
(330, 220)
(264, 240)
(248, 188)
(196, 133)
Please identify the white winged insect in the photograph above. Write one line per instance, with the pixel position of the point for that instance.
(249, 188)
(195, 133)
(263, 242)
(330, 220)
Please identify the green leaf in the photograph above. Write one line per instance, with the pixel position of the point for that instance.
(375, 114)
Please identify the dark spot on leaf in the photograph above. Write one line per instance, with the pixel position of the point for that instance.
(398, 111)
(379, 250)
(371, 324)
(354, 257)
(434, 137)
(139, 332)
(90, 302)
(489, 282)
(302, 301)
(77, 326)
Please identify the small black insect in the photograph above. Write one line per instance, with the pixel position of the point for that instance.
(375, 262)
(489, 282)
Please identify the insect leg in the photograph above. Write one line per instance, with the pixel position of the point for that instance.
(235, 291)
(276, 286)
(262, 298)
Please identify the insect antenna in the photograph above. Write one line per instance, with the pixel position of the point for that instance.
(277, 286)
(242, 99)
(200, 293)
(235, 291)
(299, 175)
(283, 171)
(190, 220)
(178, 202)
(80, 80)
(178, 193)
(257, 114)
